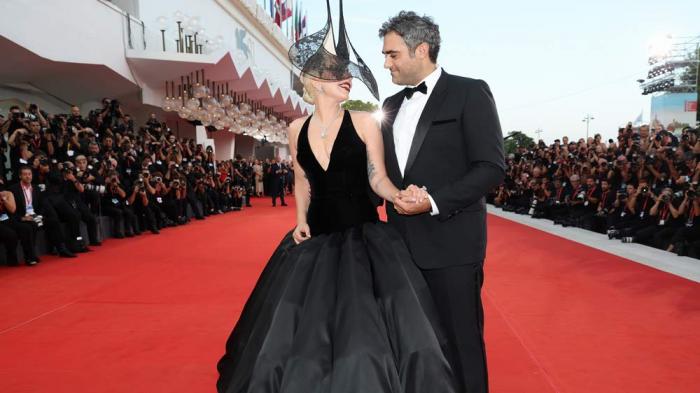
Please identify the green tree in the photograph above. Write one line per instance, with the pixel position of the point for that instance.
(357, 105)
(517, 139)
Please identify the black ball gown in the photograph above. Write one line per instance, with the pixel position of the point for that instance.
(346, 311)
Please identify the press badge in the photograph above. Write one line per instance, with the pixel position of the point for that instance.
(4, 217)
(159, 199)
(662, 222)
(70, 153)
(641, 215)
(115, 201)
(585, 203)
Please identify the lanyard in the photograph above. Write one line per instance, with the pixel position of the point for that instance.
(664, 213)
(590, 192)
(646, 201)
(604, 198)
(559, 193)
(27, 191)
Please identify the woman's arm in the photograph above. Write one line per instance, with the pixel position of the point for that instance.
(9, 200)
(302, 190)
(369, 131)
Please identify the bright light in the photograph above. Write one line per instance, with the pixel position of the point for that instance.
(378, 115)
(660, 46)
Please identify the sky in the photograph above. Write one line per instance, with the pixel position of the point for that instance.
(548, 63)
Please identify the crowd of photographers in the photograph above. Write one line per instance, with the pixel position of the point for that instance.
(638, 188)
(57, 171)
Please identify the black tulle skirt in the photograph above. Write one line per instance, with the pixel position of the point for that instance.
(346, 312)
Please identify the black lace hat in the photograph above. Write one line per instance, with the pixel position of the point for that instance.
(317, 55)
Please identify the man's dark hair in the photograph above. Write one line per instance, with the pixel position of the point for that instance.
(25, 168)
(414, 30)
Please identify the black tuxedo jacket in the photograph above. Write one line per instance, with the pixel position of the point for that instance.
(37, 200)
(457, 153)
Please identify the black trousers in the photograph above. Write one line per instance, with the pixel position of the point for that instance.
(277, 191)
(457, 294)
(68, 215)
(122, 216)
(26, 233)
(9, 239)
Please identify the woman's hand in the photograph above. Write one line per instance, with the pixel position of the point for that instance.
(301, 233)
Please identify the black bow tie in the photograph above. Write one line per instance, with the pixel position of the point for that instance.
(409, 91)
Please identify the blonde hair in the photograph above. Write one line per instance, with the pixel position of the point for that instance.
(310, 90)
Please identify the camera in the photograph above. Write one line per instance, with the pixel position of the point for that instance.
(98, 189)
(645, 190)
(38, 219)
(665, 198)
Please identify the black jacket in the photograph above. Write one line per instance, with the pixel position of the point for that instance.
(37, 200)
(457, 153)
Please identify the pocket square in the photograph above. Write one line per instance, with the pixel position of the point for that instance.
(445, 121)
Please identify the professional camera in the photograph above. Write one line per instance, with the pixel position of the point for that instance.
(645, 190)
(665, 198)
(95, 188)
(38, 219)
(622, 195)
(176, 183)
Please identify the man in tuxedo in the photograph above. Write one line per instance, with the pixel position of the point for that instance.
(277, 174)
(443, 134)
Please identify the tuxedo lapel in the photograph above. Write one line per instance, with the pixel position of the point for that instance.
(429, 112)
(392, 163)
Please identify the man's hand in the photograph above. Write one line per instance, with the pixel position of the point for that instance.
(411, 201)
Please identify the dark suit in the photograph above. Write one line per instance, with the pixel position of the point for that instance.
(277, 182)
(457, 153)
(27, 229)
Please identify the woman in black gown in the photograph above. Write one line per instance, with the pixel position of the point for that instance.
(340, 307)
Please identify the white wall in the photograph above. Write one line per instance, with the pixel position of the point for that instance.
(78, 31)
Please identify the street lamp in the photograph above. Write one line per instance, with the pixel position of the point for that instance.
(587, 120)
(162, 22)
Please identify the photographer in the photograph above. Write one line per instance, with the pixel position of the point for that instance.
(51, 179)
(576, 202)
(605, 208)
(639, 204)
(115, 206)
(164, 206)
(191, 197)
(33, 212)
(75, 119)
(75, 183)
(686, 241)
(110, 114)
(557, 200)
(139, 200)
(664, 220)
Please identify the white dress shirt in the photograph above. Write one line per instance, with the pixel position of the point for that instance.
(406, 122)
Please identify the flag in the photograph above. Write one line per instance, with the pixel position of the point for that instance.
(282, 11)
(639, 118)
(303, 25)
(297, 20)
(272, 9)
(278, 13)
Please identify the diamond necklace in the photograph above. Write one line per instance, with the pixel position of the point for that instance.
(324, 129)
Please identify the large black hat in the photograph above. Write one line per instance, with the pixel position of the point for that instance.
(317, 55)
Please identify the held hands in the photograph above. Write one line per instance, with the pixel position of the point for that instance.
(301, 233)
(411, 201)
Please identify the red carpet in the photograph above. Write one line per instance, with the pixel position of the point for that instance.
(151, 314)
